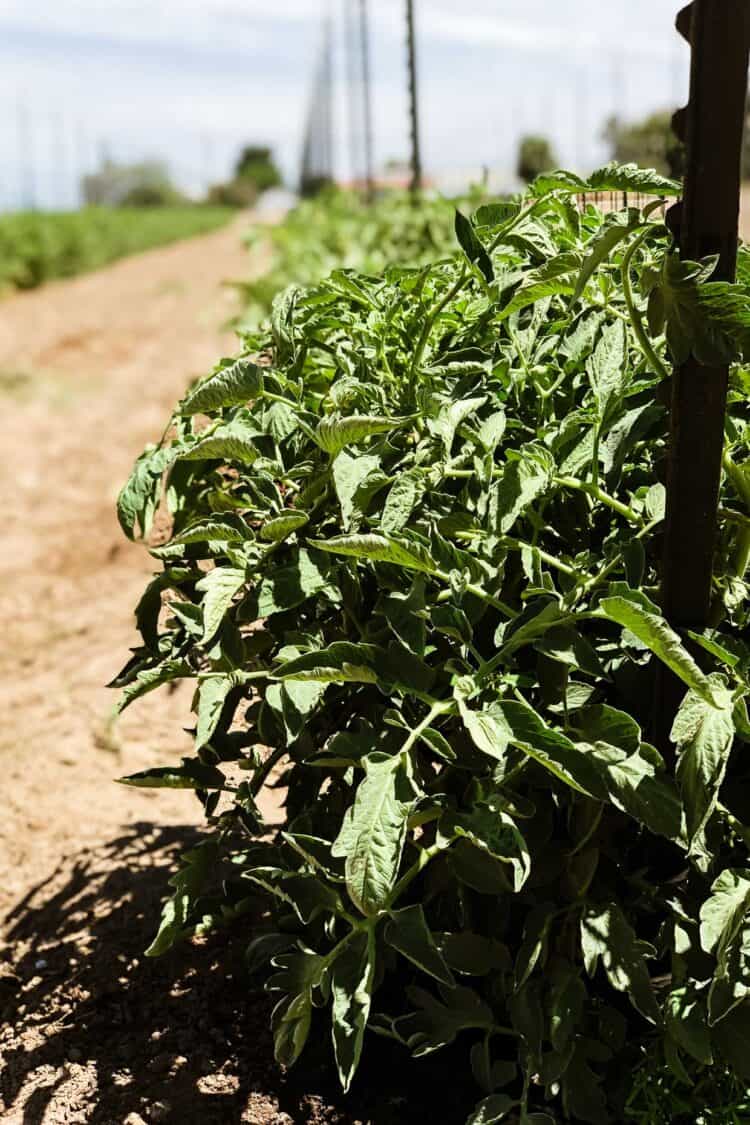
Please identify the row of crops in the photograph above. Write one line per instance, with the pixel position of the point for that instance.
(38, 246)
(413, 575)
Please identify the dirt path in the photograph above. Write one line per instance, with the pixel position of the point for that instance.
(89, 369)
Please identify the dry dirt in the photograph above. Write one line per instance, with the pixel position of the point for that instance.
(91, 1031)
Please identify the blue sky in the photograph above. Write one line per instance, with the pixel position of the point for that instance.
(191, 80)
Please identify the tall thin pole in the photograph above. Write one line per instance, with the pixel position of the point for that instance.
(416, 155)
(707, 221)
(364, 45)
(352, 90)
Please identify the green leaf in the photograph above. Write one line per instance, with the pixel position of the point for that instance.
(703, 734)
(614, 230)
(281, 527)
(352, 982)
(555, 277)
(378, 548)
(629, 177)
(192, 774)
(234, 441)
(218, 588)
(492, 1109)
(607, 367)
(212, 695)
(287, 587)
(685, 1016)
(634, 611)
(349, 474)
(373, 833)
(151, 678)
(189, 883)
(334, 432)
(341, 662)
(138, 498)
(472, 247)
(403, 496)
(607, 935)
(407, 931)
(229, 386)
(566, 1006)
(298, 974)
(493, 831)
(524, 479)
(722, 915)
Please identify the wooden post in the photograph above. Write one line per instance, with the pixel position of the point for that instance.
(707, 219)
(416, 155)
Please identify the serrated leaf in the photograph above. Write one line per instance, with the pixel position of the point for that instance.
(629, 177)
(229, 386)
(189, 882)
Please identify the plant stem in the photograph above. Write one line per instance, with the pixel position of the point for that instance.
(635, 317)
(599, 494)
(430, 321)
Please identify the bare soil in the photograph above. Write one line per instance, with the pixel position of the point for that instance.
(90, 1030)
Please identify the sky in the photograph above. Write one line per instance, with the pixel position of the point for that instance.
(190, 81)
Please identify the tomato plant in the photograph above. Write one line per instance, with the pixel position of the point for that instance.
(413, 574)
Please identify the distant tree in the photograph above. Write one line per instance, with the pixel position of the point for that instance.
(256, 164)
(147, 184)
(535, 155)
(650, 143)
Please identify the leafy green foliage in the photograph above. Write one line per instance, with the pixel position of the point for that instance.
(412, 569)
(39, 246)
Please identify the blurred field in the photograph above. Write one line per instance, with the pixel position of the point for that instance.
(37, 246)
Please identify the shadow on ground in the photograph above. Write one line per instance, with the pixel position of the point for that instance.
(95, 1032)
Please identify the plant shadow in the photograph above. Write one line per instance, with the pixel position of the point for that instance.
(93, 1031)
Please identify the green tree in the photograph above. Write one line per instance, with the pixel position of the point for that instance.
(256, 164)
(535, 155)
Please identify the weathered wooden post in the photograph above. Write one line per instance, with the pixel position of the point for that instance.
(706, 221)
